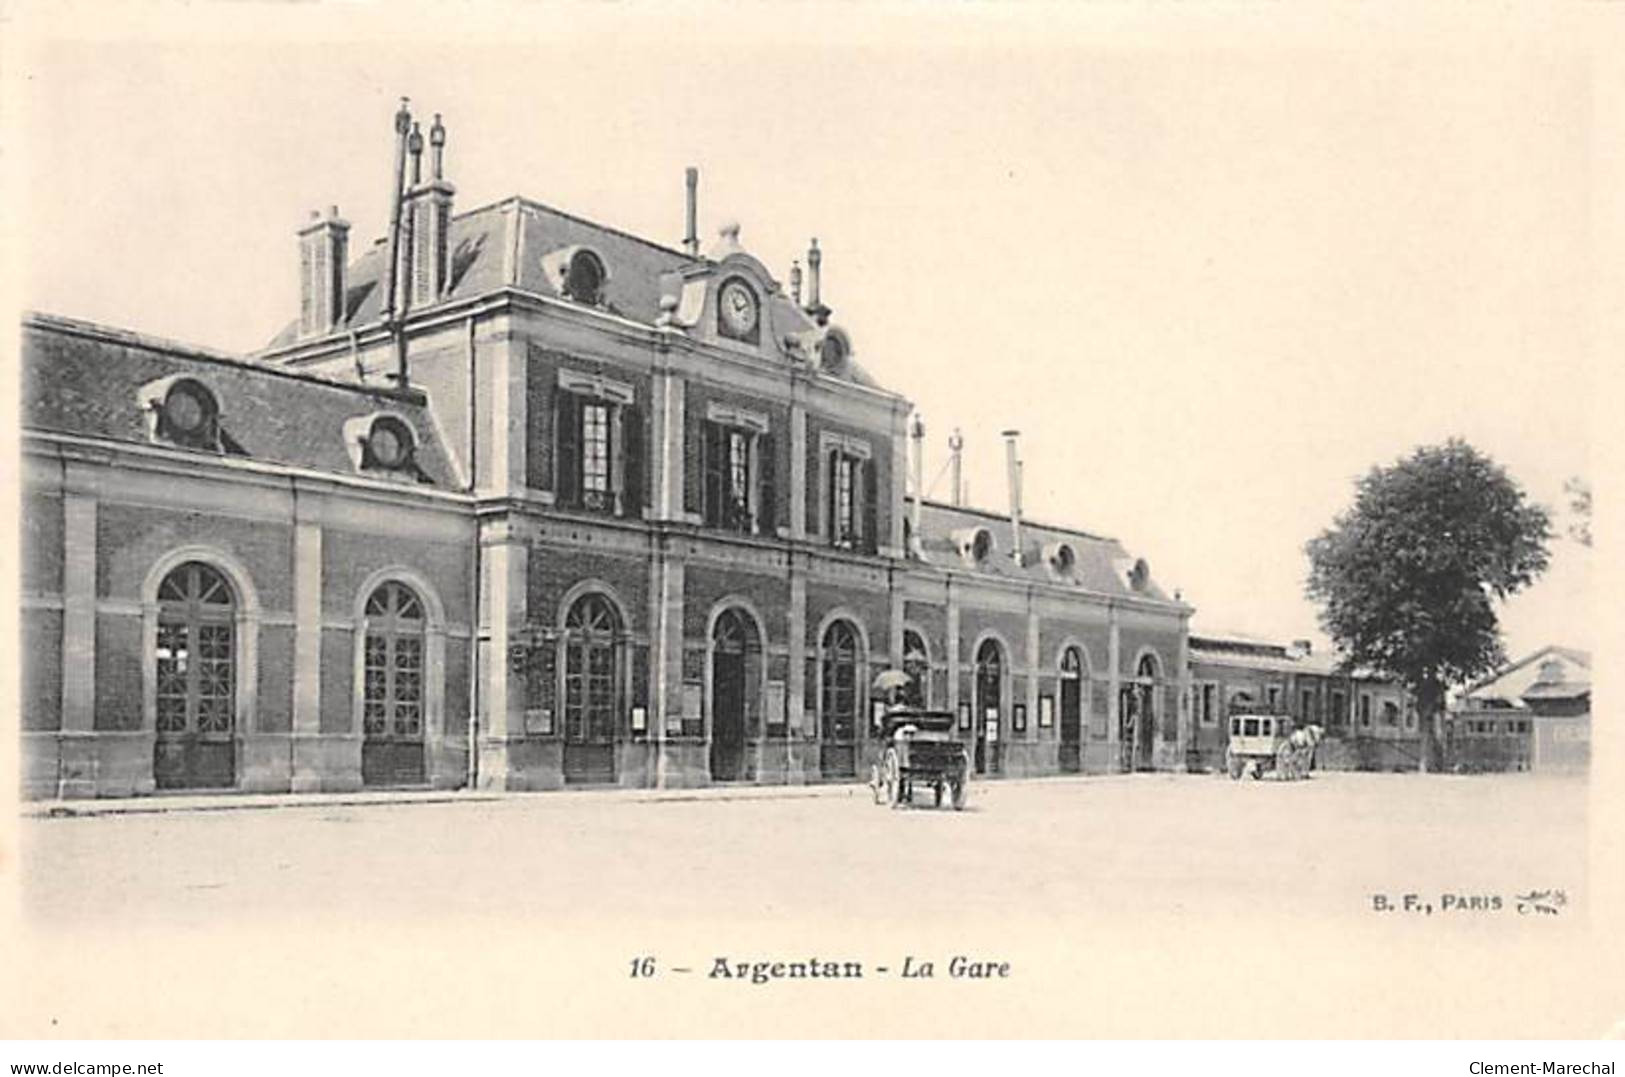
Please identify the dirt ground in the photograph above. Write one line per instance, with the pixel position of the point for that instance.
(1131, 905)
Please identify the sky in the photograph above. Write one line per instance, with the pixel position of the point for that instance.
(1213, 263)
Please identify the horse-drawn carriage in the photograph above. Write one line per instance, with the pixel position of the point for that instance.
(920, 750)
(1268, 742)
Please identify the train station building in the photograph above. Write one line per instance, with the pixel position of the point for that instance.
(520, 501)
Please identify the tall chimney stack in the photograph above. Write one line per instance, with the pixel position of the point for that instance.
(691, 239)
(917, 432)
(323, 251)
(1013, 464)
(795, 283)
(426, 257)
(956, 473)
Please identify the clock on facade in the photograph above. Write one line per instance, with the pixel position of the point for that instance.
(736, 306)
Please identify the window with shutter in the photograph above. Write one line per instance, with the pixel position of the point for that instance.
(848, 501)
(634, 483)
(767, 505)
(567, 452)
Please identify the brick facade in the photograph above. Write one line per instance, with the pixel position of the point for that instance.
(636, 539)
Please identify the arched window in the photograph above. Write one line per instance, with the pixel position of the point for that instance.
(196, 678)
(392, 686)
(840, 702)
(592, 641)
(917, 665)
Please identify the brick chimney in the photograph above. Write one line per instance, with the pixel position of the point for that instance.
(323, 249)
(1013, 463)
(427, 255)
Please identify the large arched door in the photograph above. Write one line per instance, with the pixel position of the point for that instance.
(592, 689)
(917, 667)
(989, 704)
(1145, 711)
(840, 701)
(736, 657)
(1071, 757)
(196, 678)
(392, 688)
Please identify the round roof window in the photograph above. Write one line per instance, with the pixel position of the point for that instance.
(390, 443)
(187, 407)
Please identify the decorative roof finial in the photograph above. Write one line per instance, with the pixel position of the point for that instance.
(437, 139)
(414, 144)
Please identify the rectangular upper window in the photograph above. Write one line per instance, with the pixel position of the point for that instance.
(736, 495)
(599, 453)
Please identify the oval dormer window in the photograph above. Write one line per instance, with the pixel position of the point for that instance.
(832, 353)
(389, 444)
(1063, 559)
(584, 279)
(188, 413)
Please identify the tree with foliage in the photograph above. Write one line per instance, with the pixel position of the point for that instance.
(1579, 491)
(1407, 578)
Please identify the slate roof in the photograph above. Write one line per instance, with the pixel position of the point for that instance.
(1101, 564)
(1512, 682)
(487, 256)
(86, 379)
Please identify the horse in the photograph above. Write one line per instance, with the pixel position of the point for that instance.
(1297, 751)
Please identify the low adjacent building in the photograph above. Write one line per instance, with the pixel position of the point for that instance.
(1370, 722)
(1532, 714)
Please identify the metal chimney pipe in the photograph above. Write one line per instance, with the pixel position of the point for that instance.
(956, 445)
(795, 283)
(691, 239)
(403, 124)
(815, 260)
(1013, 465)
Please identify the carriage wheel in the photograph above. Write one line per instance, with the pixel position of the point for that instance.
(894, 778)
(1234, 764)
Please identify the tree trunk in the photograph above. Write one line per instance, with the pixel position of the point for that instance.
(1429, 705)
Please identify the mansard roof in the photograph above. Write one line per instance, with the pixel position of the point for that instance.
(84, 379)
(1098, 564)
(504, 244)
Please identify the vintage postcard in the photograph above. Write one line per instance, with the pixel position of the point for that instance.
(812, 521)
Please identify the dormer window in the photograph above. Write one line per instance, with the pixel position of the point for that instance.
(584, 279)
(183, 411)
(1062, 559)
(975, 544)
(384, 446)
(387, 445)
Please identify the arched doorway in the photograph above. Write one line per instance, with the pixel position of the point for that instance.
(989, 705)
(1071, 757)
(841, 698)
(392, 687)
(592, 688)
(196, 678)
(736, 677)
(917, 667)
(1138, 715)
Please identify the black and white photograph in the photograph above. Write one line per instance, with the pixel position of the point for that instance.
(812, 521)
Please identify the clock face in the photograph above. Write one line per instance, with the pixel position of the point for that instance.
(737, 307)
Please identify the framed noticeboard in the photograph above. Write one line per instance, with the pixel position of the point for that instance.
(1046, 712)
(1018, 718)
(964, 717)
(640, 720)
